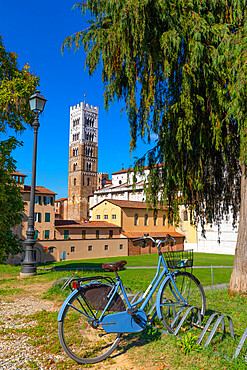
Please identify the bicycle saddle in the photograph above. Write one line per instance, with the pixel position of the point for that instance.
(113, 266)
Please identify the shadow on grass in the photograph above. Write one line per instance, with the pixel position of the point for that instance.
(149, 334)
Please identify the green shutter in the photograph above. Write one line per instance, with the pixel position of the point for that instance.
(47, 217)
(66, 234)
(47, 234)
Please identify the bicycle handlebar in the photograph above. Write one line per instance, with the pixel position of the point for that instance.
(157, 241)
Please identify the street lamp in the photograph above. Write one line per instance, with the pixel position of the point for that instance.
(28, 268)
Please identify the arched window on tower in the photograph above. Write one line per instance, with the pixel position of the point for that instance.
(74, 181)
(89, 166)
(136, 219)
(88, 181)
(75, 167)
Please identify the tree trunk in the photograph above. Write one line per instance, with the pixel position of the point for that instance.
(238, 281)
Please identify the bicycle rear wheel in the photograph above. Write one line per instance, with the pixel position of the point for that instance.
(172, 308)
(79, 339)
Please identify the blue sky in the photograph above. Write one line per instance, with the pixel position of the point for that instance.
(35, 31)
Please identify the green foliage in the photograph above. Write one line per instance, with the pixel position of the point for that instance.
(180, 67)
(188, 343)
(16, 86)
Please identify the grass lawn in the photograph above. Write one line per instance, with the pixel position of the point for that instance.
(200, 259)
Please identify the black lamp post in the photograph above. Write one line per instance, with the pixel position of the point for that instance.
(28, 268)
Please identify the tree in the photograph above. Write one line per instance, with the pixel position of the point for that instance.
(180, 67)
(16, 86)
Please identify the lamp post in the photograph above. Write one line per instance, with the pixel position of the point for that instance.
(28, 268)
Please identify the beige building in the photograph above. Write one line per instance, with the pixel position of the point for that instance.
(65, 239)
(120, 188)
(135, 221)
(61, 209)
(44, 216)
(89, 239)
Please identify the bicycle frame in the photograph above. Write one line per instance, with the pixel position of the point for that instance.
(158, 278)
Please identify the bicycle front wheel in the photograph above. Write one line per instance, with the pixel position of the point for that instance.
(80, 340)
(172, 307)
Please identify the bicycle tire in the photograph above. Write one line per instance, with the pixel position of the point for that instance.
(83, 343)
(191, 290)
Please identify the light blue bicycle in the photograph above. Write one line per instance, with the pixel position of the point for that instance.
(99, 309)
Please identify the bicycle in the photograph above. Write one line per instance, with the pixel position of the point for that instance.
(98, 311)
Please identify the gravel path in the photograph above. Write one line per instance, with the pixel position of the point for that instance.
(15, 352)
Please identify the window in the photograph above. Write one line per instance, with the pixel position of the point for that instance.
(47, 234)
(110, 233)
(88, 181)
(74, 181)
(105, 217)
(47, 217)
(114, 217)
(185, 215)
(45, 200)
(37, 217)
(83, 234)
(72, 249)
(66, 234)
(106, 247)
(75, 152)
(164, 220)
(146, 220)
(76, 122)
(97, 234)
(38, 199)
(121, 246)
(52, 201)
(98, 217)
(90, 248)
(136, 219)
(155, 220)
(36, 234)
(51, 249)
(75, 167)
(89, 166)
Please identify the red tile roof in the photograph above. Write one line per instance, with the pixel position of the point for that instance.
(134, 234)
(16, 173)
(131, 169)
(126, 203)
(61, 199)
(38, 190)
(80, 224)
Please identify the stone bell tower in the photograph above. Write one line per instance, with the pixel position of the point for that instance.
(83, 159)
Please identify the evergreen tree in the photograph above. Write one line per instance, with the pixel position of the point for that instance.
(180, 67)
(16, 86)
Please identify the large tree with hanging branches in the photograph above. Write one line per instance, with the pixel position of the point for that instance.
(180, 67)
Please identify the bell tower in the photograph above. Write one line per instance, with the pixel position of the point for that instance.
(83, 159)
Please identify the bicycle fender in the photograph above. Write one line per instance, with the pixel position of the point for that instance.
(159, 296)
(60, 315)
